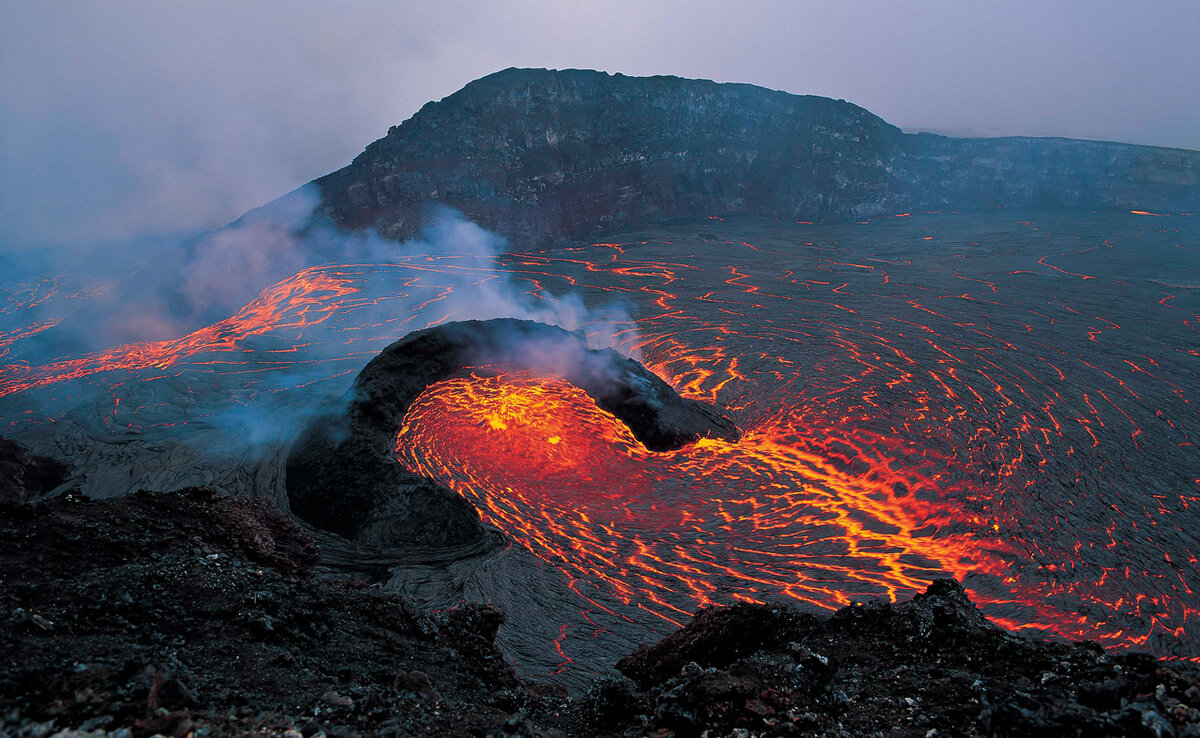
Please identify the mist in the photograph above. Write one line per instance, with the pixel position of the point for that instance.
(282, 287)
(140, 125)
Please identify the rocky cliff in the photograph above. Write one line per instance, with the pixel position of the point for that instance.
(544, 155)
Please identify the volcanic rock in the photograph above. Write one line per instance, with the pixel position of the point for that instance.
(24, 476)
(718, 636)
(930, 666)
(157, 603)
(557, 155)
(155, 597)
(342, 475)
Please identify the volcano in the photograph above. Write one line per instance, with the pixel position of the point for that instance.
(546, 156)
(342, 475)
(739, 348)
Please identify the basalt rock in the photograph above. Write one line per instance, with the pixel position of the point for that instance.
(716, 637)
(555, 155)
(342, 475)
(165, 614)
(931, 666)
(24, 475)
(147, 524)
(198, 613)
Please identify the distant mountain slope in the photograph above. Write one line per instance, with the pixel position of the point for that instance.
(546, 157)
(542, 155)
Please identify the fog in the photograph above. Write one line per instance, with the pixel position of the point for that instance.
(141, 121)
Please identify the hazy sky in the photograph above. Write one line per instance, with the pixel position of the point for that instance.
(122, 119)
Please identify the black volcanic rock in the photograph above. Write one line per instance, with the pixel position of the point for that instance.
(342, 475)
(716, 637)
(24, 475)
(544, 155)
(146, 524)
(194, 612)
(162, 613)
(931, 666)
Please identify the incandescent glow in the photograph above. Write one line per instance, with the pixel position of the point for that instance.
(294, 304)
(796, 508)
(1012, 403)
(800, 508)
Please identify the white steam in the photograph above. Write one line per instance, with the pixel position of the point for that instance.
(262, 393)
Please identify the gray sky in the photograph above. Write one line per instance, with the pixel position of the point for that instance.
(124, 119)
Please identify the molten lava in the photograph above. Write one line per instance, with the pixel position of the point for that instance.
(798, 509)
(814, 518)
(1010, 403)
(288, 305)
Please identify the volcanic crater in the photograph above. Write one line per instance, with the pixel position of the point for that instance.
(812, 400)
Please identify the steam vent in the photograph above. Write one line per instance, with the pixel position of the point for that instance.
(343, 475)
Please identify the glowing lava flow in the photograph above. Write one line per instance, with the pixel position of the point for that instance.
(900, 425)
(797, 509)
(295, 303)
(1012, 403)
(817, 519)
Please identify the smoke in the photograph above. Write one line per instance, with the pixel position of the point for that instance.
(482, 291)
(154, 289)
(278, 377)
(237, 262)
(466, 282)
(161, 290)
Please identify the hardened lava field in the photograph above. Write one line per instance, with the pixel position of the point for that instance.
(1007, 398)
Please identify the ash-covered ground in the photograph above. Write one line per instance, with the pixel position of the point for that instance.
(1007, 398)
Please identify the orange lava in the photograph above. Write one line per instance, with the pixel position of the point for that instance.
(976, 413)
(295, 303)
(808, 512)
(802, 508)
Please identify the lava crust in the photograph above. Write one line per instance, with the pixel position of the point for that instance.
(342, 474)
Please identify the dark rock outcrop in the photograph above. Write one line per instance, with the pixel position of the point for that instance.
(549, 155)
(192, 612)
(716, 637)
(931, 666)
(145, 524)
(24, 475)
(342, 475)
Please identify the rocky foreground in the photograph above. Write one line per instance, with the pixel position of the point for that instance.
(191, 613)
